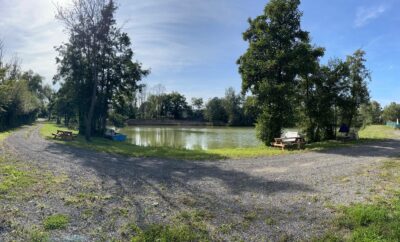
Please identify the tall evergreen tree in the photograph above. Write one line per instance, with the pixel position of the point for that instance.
(273, 61)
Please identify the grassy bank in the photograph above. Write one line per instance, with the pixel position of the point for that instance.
(377, 220)
(124, 148)
(377, 132)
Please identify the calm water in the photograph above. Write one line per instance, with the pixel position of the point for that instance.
(191, 137)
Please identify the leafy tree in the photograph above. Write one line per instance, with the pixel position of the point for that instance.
(355, 89)
(272, 63)
(391, 112)
(370, 113)
(96, 62)
(197, 104)
(232, 105)
(319, 94)
(178, 105)
(215, 111)
(251, 110)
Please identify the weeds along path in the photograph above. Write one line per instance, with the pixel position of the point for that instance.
(253, 199)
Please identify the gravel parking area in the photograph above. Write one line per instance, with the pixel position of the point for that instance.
(263, 199)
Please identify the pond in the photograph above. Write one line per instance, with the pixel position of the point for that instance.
(197, 137)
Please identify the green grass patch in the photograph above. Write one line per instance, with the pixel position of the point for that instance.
(13, 177)
(376, 221)
(377, 132)
(56, 221)
(4, 135)
(186, 226)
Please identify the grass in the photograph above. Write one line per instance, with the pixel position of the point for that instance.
(186, 226)
(124, 148)
(56, 221)
(14, 177)
(376, 132)
(4, 135)
(375, 221)
(373, 132)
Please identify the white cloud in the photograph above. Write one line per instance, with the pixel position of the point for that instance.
(365, 14)
(158, 29)
(30, 30)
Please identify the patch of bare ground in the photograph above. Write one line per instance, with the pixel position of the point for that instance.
(108, 196)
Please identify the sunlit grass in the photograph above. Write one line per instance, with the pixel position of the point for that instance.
(4, 135)
(377, 132)
(124, 148)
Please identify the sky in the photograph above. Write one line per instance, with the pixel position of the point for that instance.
(191, 46)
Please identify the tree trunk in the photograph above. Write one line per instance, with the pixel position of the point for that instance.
(89, 117)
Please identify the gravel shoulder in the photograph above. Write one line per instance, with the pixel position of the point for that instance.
(258, 199)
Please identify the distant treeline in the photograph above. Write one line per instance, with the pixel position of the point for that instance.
(23, 97)
(232, 109)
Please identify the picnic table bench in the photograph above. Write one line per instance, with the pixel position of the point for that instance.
(65, 135)
(289, 139)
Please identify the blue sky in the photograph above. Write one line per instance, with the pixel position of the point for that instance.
(191, 46)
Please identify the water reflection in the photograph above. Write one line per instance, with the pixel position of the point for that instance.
(191, 137)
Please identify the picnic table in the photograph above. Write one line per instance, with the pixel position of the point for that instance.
(289, 139)
(65, 135)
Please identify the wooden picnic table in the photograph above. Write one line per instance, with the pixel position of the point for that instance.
(65, 135)
(289, 142)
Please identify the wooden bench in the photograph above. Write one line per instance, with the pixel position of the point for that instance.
(64, 135)
(289, 139)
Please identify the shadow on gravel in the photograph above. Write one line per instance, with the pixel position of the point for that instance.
(203, 181)
(386, 148)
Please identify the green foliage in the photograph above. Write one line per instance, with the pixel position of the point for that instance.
(22, 95)
(56, 221)
(251, 110)
(279, 51)
(96, 65)
(391, 112)
(232, 105)
(370, 113)
(215, 111)
(117, 119)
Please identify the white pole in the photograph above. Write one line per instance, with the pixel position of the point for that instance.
(397, 121)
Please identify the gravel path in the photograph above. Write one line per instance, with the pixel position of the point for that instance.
(259, 199)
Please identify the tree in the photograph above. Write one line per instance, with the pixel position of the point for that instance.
(370, 113)
(215, 111)
(355, 90)
(251, 110)
(232, 105)
(178, 105)
(96, 62)
(318, 96)
(197, 104)
(272, 63)
(391, 112)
